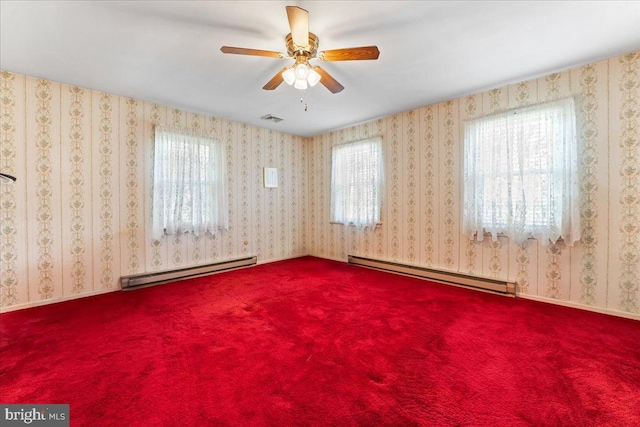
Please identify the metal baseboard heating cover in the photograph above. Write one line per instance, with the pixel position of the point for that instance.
(442, 276)
(157, 277)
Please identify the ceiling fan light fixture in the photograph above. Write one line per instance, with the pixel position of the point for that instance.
(302, 46)
(289, 76)
(313, 78)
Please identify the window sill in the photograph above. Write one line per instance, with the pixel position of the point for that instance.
(504, 236)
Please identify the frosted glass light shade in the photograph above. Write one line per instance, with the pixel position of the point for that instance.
(289, 75)
(313, 78)
(302, 71)
(300, 84)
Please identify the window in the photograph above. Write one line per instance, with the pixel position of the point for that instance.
(189, 193)
(520, 174)
(356, 182)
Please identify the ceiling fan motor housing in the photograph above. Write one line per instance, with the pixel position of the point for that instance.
(310, 51)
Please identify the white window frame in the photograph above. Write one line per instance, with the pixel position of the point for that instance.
(354, 182)
(188, 164)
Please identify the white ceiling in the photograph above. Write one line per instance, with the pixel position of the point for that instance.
(168, 52)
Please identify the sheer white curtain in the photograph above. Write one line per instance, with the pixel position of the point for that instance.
(189, 191)
(521, 174)
(356, 182)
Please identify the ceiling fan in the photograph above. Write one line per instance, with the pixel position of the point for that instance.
(303, 46)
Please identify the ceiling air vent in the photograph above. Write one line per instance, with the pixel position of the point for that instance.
(271, 118)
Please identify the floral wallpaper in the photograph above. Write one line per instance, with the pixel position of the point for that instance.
(421, 222)
(78, 217)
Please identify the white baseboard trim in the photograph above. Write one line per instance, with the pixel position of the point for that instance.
(571, 304)
(90, 294)
(56, 300)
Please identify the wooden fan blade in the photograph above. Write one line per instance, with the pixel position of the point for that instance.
(299, 24)
(350, 54)
(275, 81)
(328, 81)
(254, 52)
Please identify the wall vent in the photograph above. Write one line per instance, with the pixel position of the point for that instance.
(441, 276)
(271, 118)
(157, 277)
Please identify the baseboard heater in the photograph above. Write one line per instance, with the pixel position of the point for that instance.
(460, 279)
(157, 277)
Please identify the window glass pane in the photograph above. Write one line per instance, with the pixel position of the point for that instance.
(189, 194)
(356, 180)
(520, 169)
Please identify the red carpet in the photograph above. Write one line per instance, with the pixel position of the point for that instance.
(314, 342)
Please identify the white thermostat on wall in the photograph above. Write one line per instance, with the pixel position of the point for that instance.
(270, 177)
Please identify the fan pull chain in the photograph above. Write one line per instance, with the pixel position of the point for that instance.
(305, 104)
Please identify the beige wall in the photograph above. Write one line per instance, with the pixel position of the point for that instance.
(422, 211)
(78, 217)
